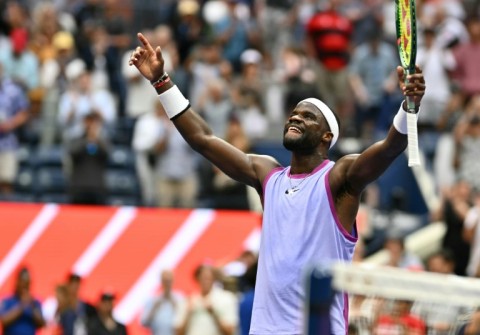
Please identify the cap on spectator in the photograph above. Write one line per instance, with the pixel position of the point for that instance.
(63, 40)
(251, 56)
(75, 68)
(19, 39)
(188, 7)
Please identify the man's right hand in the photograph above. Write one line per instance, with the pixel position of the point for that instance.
(148, 61)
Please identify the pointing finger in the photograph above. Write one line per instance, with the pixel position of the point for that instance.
(145, 42)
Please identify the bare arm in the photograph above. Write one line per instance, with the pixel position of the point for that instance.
(249, 169)
(356, 172)
(353, 173)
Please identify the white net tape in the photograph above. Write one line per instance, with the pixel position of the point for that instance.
(398, 284)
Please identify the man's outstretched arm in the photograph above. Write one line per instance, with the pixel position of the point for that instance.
(357, 171)
(249, 169)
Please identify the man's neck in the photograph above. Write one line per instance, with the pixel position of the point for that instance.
(306, 163)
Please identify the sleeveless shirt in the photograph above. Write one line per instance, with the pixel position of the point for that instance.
(299, 229)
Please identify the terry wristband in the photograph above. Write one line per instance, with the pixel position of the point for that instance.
(173, 102)
(400, 120)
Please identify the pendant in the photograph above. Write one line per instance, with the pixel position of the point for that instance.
(291, 190)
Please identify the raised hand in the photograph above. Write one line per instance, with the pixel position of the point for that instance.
(414, 86)
(148, 61)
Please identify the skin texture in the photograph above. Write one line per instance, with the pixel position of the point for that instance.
(309, 143)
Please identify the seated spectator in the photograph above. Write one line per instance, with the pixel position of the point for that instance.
(104, 323)
(21, 313)
(89, 159)
(399, 257)
(13, 114)
(213, 311)
(399, 321)
(440, 318)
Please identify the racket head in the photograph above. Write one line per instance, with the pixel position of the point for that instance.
(406, 27)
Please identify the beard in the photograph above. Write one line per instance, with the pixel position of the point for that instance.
(303, 143)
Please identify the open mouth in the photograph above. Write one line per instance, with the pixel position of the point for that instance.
(294, 129)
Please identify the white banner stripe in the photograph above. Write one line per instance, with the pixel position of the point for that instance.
(112, 231)
(252, 242)
(27, 240)
(168, 258)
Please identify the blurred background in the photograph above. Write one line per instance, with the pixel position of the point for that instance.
(87, 154)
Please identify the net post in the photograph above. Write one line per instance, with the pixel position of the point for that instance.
(319, 296)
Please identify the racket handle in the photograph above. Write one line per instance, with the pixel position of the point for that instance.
(412, 136)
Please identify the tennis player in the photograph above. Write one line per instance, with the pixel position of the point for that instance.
(309, 207)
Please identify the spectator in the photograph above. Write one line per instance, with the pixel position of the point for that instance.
(80, 99)
(89, 158)
(104, 322)
(276, 18)
(372, 81)
(451, 30)
(54, 82)
(159, 312)
(175, 167)
(205, 68)
(467, 71)
(146, 134)
(467, 143)
(328, 41)
(20, 64)
(189, 28)
(61, 296)
(74, 316)
(233, 34)
(440, 318)
(13, 114)
(436, 64)
(399, 257)
(21, 313)
(213, 311)
(400, 321)
(456, 201)
(472, 235)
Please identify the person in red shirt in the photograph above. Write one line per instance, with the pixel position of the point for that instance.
(400, 321)
(328, 41)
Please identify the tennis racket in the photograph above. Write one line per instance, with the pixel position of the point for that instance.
(406, 24)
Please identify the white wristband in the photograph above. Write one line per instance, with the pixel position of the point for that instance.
(400, 121)
(173, 102)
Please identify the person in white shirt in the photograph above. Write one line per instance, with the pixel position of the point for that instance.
(159, 312)
(213, 311)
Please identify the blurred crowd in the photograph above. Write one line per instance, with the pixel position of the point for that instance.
(78, 125)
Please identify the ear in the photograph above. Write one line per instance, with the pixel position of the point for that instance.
(327, 137)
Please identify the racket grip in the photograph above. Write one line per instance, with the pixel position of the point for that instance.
(412, 136)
